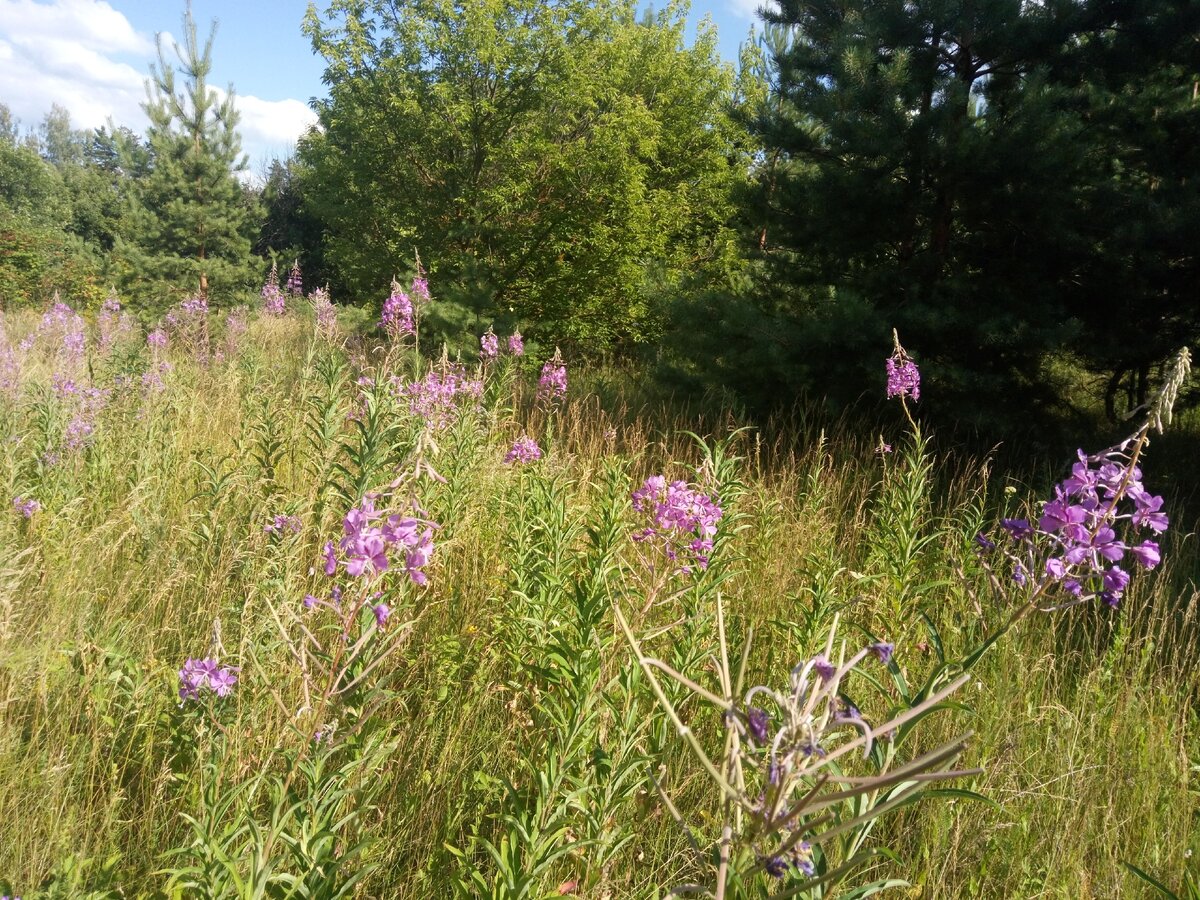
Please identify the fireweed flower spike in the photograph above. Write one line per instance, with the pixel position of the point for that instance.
(516, 344)
(552, 385)
(26, 506)
(201, 676)
(397, 316)
(524, 450)
(274, 301)
(680, 518)
(903, 377)
(1098, 524)
(489, 345)
(295, 284)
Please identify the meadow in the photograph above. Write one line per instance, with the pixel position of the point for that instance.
(289, 608)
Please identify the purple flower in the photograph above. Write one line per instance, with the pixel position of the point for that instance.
(824, 668)
(295, 284)
(775, 866)
(1146, 554)
(903, 376)
(1018, 528)
(157, 338)
(397, 318)
(439, 397)
(274, 301)
(489, 345)
(516, 344)
(1148, 512)
(758, 724)
(552, 385)
(282, 523)
(381, 614)
(200, 675)
(883, 651)
(26, 506)
(524, 450)
(369, 539)
(682, 518)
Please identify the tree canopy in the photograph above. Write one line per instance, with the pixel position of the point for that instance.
(552, 160)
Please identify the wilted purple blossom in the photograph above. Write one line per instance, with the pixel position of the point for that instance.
(524, 450)
(200, 676)
(324, 312)
(682, 520)
(112, 324)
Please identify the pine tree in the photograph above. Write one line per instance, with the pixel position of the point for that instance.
(962, 170)
(190, 221)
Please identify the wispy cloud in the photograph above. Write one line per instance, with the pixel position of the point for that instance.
(748, 9)
(87, 57)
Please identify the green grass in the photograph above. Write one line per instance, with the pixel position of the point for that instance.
(512, 717)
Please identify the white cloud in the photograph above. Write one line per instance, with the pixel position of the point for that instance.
(88, 58)
(748, 9)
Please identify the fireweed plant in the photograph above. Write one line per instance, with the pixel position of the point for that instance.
(798, 774)
(802, 774)
(561, 708)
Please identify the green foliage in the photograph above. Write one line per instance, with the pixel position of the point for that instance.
(1004, 182)
(546, 156)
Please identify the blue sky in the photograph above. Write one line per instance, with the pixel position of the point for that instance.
(92, 57)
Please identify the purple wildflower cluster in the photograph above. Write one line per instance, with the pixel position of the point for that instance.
(324, 313)
(10, 367)
(295, 283)
(372, 539)
(1075, 544)
(552, 385)
(84, 404)
(274, 301)
(398, 317)
(903, 377)
(157, 339)
(682, 519)
(236, 324)
(283, 523)
(61, 328)
(489, 345)
(200, 676)
(26, 506)
(112, 325)
(524, 450)
(439, 397)
(420, 288)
